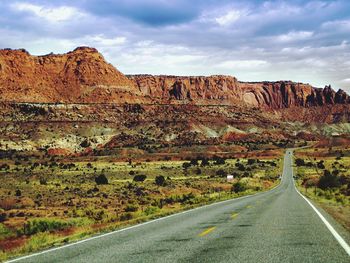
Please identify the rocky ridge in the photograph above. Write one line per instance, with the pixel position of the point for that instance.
(83, 76)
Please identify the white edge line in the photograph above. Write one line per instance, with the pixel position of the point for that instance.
(135, 226)
(340, 240)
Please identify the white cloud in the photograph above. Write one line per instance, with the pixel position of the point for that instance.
(104, 41)
(346, 81)
(338, 25)
(242, 64)
(229, 18)
(53, 15)
(295, 36)
(223, 16)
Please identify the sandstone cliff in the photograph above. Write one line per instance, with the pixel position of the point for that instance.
(83, 76)
(78, 76)
(227, 90)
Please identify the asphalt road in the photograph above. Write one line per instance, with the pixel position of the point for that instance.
(275, 226)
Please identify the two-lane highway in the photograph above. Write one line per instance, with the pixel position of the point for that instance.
(274, 226)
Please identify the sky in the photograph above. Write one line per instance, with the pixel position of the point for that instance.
(305, 41)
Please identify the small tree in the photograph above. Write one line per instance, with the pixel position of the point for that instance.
(204, 162)
(139, 178)
(221, 173)
(239, 187)
(186, 165)
(299, 162)
(160, 180)
(328, 180)
(101, 179)
(194, 162)
(320, 165)
(251, 161)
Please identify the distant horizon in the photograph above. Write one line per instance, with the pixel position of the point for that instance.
(305, 41)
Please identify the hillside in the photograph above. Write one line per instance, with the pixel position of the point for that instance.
(78, 76)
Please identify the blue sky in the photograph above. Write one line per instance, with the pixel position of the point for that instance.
(307, 41)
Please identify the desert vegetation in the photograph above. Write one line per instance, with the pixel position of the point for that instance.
(323, 175)
(52, 200)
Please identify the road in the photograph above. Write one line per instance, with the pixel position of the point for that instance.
(274, 226)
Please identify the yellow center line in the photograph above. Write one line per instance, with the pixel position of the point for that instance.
(234, 215)
(207, 231)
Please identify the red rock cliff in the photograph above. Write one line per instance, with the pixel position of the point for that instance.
(78, 76)
(83, 76)
(218, 89)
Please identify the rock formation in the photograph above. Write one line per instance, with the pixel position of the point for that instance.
(83, 76)
(78, 76)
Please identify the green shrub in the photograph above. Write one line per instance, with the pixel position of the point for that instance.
(4, 231)
(3, 215)
(43, 225)
(160, 180)
(328, 180)
(139, 178)
(38, 241)
(239, 187)
(131, 208)
(221, 173)
(151, 210)
(101, 179)
(299, 162)
(126, 216)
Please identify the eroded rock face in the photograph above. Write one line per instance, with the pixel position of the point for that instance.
(227, 90)
(78, 76)
(188, 88)
(83, 76)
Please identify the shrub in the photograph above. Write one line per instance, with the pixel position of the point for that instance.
(151, 210)
(101, 179)
(85, 143)
(186, 165)
(204, 162)
(221, 173)
(2, 215)
(43, 181)
(139, 178)
(251, 161)
(218, 160)
(160, 180)
(42, 225)
(4, 231)
(299, 162)
(194, 162)
(240, 166)
(18, 193)
(126, 216)
(320, 165)
(238, 187)
(328, 180)
(131, 208)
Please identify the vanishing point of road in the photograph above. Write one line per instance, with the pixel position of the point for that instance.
(275, 226)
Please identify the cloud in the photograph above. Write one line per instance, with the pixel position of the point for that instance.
(347, 81)
(148, 12)
(254, 40)
(338, 25)
(294, 36)
(229, 18)
(242, 64)
(54, 15)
